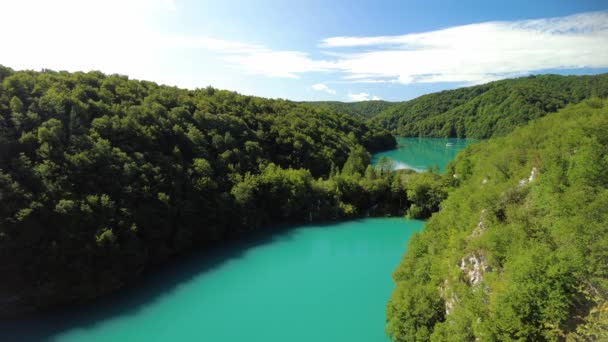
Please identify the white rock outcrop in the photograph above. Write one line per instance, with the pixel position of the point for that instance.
(533, 175)
(450, 304)
(473, 266)
(530, 179)
(481, 226)
(450, 299)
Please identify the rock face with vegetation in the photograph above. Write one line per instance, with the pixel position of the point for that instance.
(488, 110)
(518, 250)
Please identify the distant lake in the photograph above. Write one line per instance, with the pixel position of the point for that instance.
(420, 153)
(326, 282)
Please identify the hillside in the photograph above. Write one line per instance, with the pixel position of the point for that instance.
(491, 109)
(363, 109)
(518, 250)
(102, 177)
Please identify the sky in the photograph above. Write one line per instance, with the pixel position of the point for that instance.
(309, 49)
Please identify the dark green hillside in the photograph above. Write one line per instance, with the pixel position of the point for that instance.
(491, 109)
(363, 109)
(102, 177)
(518, 251)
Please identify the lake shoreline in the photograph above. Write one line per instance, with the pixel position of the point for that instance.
(155, 282)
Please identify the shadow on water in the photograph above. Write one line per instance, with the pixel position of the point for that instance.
(151, 288)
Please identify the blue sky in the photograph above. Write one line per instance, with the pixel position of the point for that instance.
(309, 50)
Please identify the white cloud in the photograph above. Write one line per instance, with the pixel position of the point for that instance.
(363, 97)
(585, 23)
(217, 45)
(323, 87)
(471, 54)
(277, 63)
(478, 53)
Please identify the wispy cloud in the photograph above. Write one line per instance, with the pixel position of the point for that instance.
(277, 63)
(363, 97)
(469, 54)
(323, 87)
(479, 52)
(212, 44)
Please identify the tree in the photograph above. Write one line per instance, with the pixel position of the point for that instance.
(357, 161)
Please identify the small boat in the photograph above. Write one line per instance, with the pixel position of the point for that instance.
(449, 144)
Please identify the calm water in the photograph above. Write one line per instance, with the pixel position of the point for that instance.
(312, 283)
(420, 153)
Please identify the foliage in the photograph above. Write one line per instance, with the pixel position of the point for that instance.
(491, 109)
(518, 249)
(363, 109)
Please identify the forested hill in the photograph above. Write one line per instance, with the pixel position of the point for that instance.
(518, 250)
(102, 177)
(363, 109)
(491, 109)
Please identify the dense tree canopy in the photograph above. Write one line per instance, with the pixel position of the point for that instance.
(491, 109)
(363, 109)
(518, 250)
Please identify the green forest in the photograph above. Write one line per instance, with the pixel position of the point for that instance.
(362, 109)
(104, 178)
(107, 177)
(488, 110)
(517, 251)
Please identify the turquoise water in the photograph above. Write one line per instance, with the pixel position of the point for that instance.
(311, 283)
(420, 153)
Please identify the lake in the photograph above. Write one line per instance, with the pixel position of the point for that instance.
(419, 153)
(323, 282)
(311, 283)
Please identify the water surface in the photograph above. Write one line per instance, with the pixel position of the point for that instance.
(311, 283)
(420, 153)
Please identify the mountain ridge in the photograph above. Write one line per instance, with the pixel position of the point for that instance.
(479, 111)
